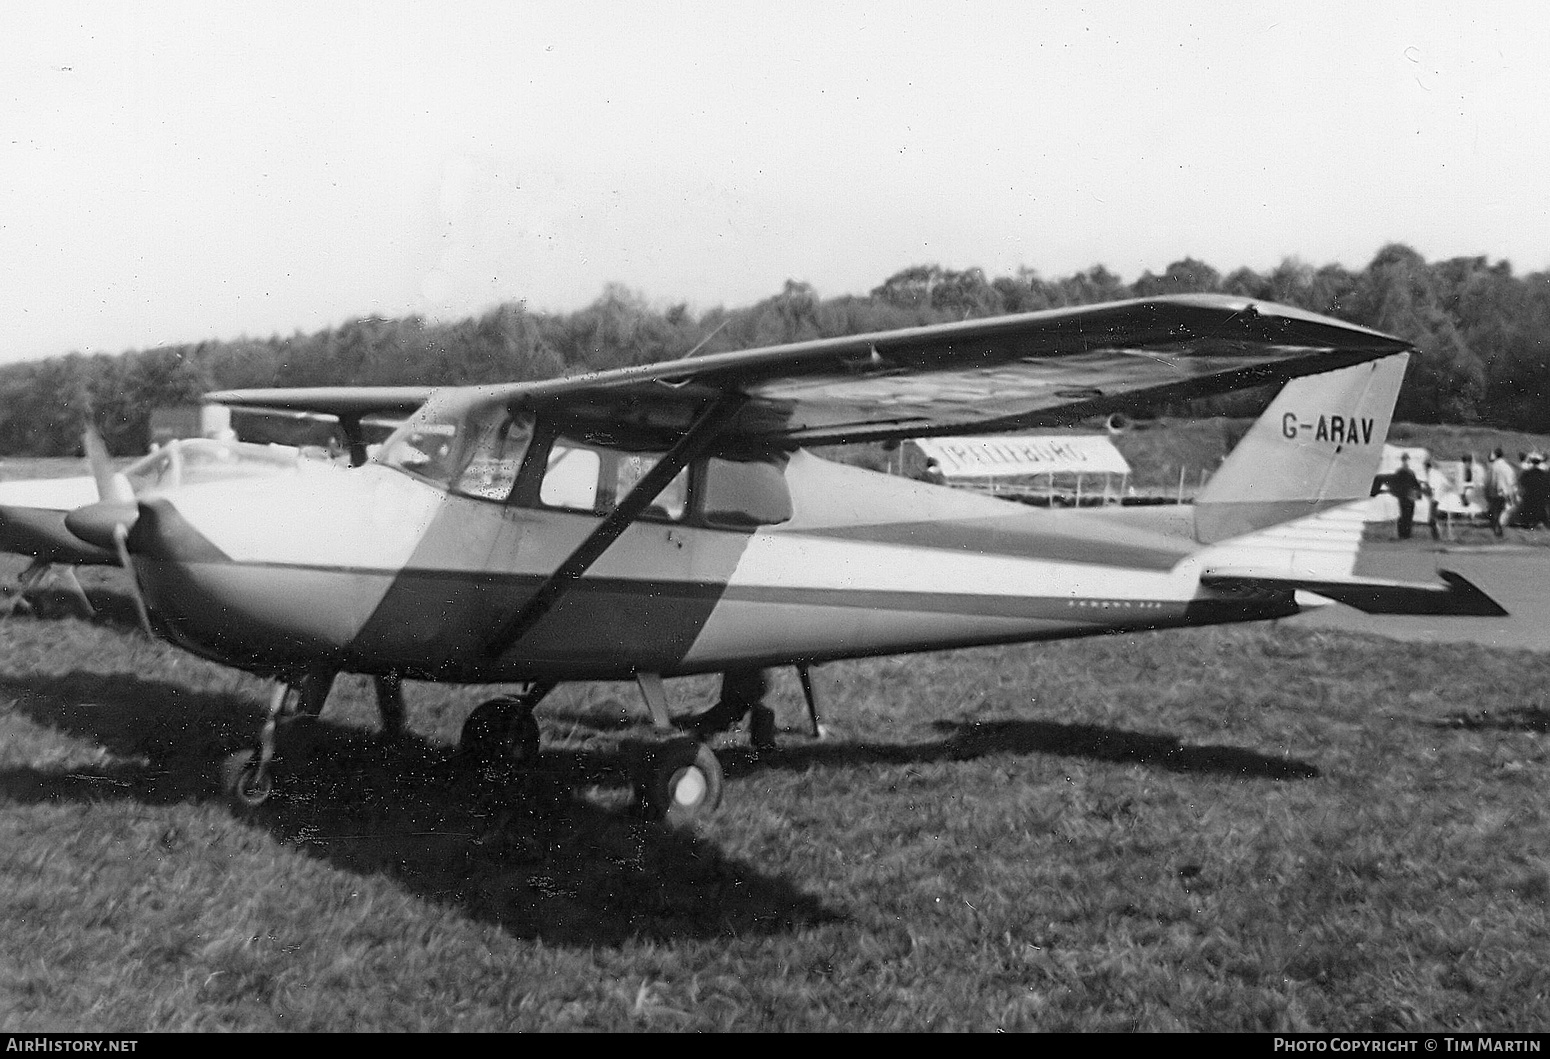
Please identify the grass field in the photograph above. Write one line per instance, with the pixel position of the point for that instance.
(1258, 827)
(1255, 827)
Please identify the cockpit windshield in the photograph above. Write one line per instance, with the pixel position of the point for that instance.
(468, 446)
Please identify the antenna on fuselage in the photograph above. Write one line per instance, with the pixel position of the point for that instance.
(701, 344)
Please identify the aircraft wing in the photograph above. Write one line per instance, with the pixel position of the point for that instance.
(341, 401)
(347, 404)
(982, 376)
(32, 519)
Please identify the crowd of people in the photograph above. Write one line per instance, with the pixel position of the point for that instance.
(1517, 495)
(1514, 494)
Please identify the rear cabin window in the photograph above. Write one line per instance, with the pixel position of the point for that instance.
(584, 478)
(745, 495)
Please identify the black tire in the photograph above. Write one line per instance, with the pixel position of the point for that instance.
(681, 783)
(500, 731)
(245, 784)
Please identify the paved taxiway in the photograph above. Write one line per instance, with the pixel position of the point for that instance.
(1515, 575)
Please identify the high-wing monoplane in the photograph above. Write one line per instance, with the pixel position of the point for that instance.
(665, 520)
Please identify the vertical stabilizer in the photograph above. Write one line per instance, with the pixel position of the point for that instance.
(1317, 446)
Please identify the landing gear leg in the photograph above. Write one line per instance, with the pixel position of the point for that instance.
(247, 776)
(390, 705)
(805, 674)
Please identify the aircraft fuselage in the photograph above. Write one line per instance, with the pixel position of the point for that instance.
(374, 570)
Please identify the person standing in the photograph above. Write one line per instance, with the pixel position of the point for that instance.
(743, 693)
(1501, 490)
(1433, 484)
(1534, 492)
(1406, 489)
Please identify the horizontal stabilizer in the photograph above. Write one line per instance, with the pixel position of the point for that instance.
(1458, 598)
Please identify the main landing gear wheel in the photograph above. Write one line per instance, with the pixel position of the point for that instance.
(501, 730)
(245, 781)
(680, 783)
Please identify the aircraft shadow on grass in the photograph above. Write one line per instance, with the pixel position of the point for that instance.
(521, 852)
(968, 740)
(1511, 719)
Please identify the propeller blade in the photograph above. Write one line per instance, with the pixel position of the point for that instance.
(121, 545)
(110, 484)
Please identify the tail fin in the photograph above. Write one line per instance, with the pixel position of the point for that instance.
(1283, 501)
(1317, 446)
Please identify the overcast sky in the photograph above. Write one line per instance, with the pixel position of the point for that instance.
(175, 172)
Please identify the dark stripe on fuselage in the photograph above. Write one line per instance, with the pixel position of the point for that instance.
(1015, 537)
(431, 618)
(604, 627)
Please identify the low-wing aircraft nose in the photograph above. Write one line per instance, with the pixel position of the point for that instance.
(95, 523)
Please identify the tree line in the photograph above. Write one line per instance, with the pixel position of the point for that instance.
(1482, 335)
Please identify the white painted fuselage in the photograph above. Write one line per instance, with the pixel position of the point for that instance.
(372, 570)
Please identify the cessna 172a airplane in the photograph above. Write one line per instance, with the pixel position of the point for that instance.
(660, 521)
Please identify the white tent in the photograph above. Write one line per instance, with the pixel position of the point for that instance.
(1080, 464)
(1001, 456)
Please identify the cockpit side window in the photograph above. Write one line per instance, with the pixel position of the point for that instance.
(571, 479)
(496, 448)
(671, 502)
(589, 478)
(474, 450)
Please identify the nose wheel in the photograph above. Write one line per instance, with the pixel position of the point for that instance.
(247, 776)
(246, 782)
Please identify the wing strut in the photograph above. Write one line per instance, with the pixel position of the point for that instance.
(692, 444)
(354, 438)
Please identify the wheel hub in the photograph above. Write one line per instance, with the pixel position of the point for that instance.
(689, 787)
